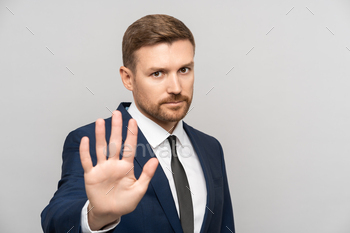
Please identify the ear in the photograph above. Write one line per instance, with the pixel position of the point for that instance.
(126, 76)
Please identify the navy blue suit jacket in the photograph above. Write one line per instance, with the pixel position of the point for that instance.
(156, 211)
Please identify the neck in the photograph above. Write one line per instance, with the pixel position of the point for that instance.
(170, 127)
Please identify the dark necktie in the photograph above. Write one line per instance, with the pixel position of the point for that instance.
(182, 189)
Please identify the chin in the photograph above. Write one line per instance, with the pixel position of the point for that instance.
(172, 116)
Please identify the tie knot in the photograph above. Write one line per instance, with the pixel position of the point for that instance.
(172, 140)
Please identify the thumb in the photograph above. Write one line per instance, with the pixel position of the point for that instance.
(147, 172)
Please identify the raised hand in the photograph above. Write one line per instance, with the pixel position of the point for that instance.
(111, 186)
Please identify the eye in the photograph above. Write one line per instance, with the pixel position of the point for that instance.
(157, 74)
(184, 70)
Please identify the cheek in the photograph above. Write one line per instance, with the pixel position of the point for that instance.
(188, 87)
(156, 91)
(142, 89)
(151, 95)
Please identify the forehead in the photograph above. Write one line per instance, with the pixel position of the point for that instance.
(165, 55)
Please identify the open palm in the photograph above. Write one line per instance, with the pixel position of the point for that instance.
(111, 186)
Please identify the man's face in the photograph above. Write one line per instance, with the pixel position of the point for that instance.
(163, 83)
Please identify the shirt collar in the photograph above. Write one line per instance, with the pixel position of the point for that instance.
(154, 133)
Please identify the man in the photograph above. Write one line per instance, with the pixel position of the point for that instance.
(120, 187)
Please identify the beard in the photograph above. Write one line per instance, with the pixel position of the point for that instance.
(165, 113)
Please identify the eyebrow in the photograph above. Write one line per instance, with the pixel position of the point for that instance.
(190, 64)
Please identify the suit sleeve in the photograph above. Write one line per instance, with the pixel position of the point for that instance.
(227, 215)
(63, 212)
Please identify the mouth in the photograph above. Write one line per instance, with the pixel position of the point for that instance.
(174, 103)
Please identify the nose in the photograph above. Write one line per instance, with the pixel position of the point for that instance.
(174, 84)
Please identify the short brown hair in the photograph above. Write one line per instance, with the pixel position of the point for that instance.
(151, 30)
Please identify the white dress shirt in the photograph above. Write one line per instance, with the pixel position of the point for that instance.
(157, 138)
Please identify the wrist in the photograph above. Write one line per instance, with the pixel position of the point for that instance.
(97, 221)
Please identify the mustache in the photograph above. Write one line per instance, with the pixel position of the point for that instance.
(174, 98)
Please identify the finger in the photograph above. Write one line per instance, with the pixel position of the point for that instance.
(100, 140)
(129, 146)
(115, 140)
(147, 173)
(85, 157)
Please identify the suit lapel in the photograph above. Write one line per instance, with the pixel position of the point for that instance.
(159, 181)
(202, 153)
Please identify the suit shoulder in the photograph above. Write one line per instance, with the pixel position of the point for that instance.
(203, 136)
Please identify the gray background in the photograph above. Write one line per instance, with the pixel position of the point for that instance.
(282, 113)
